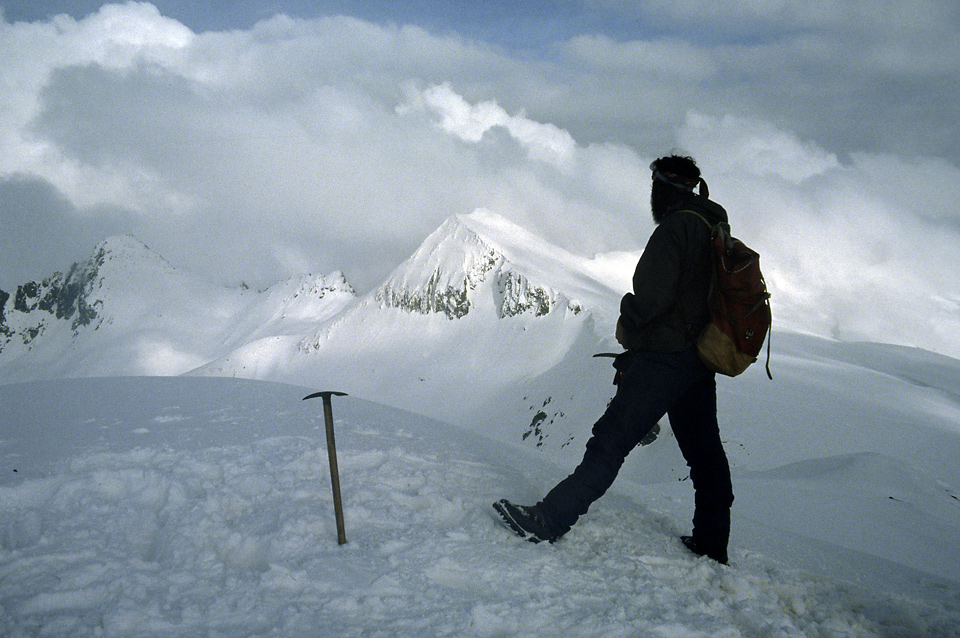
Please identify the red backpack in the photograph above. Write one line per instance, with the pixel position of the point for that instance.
(739, 305)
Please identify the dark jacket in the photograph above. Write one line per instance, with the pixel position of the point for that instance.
(668, 306)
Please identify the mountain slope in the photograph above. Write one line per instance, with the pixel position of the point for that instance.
(525, 274)
(481, 309)
(849, 453)
(128, 311)
(465, 329)
(180, 507)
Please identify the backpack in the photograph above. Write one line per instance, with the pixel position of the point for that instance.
(739, 306)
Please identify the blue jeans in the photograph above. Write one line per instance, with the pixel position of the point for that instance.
(653, 384)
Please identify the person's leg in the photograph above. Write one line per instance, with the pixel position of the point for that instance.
(650, 386)
(694, 423)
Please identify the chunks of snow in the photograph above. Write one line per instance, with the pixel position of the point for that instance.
(221, 523)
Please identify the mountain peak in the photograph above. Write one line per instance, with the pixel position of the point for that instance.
(454, 250)
(124, 251)
(479, 250)
(514, 241)
(91, 292)
(118, 244)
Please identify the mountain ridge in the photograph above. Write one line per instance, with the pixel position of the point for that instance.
(463, 253)
(528, 375)
(126, 310)
(482, 304)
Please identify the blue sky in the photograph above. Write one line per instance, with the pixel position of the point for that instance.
(247, 145)
(532, 24)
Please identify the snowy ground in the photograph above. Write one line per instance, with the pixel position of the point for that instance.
(201, 507)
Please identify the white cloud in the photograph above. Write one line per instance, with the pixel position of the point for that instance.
(210, 148)
(754, 146)
(339, 143)
(543, 142)
(457, 116)
(118, 34)
(927, 188)
(853, 249)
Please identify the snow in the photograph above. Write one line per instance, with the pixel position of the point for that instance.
(154, 319)
(189, 506)
(200, 505)
(584, 280)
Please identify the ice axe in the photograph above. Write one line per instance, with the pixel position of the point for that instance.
(332, 453)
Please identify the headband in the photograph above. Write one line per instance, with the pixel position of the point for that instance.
(682, 182)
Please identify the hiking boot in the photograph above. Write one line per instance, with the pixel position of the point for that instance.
(719, 556)
(526, 522)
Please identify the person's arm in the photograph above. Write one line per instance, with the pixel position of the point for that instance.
(654, 282)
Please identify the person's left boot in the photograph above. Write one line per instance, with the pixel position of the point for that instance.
(525, 521)
(718, 555)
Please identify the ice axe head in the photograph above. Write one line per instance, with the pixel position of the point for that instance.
(325, 395)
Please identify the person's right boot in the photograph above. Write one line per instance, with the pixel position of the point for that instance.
(525, 521)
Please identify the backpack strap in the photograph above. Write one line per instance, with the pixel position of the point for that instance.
(687, 327)
(702, 218)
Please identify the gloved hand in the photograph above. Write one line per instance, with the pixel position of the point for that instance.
(621, 334)
(621, 363)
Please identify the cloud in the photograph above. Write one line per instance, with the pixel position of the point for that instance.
(871, 75)
(42, 229)
(852, 249)
(750, 18)
(288, 131)
(756, 147)
(336, 143)
(543, 142)
(248, 154)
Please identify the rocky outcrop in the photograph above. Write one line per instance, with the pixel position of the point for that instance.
(463, 265)
(61, 297)
(519, 295)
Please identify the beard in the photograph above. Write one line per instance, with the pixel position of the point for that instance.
(663, 197)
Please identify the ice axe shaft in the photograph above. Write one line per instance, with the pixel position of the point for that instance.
(332, 454)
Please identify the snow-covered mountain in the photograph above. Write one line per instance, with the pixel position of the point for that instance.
(471, 328)
(189, 505)
(484, 321)
(485, 326)
(484, 261)
(127, 311)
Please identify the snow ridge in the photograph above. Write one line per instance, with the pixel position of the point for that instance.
(74, 298)
(460, 260)
(126, 310)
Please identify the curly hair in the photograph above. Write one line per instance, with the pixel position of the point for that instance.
(680, 172)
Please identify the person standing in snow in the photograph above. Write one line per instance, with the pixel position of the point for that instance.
(660, 373)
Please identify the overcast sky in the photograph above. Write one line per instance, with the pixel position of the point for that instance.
(252, 140)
